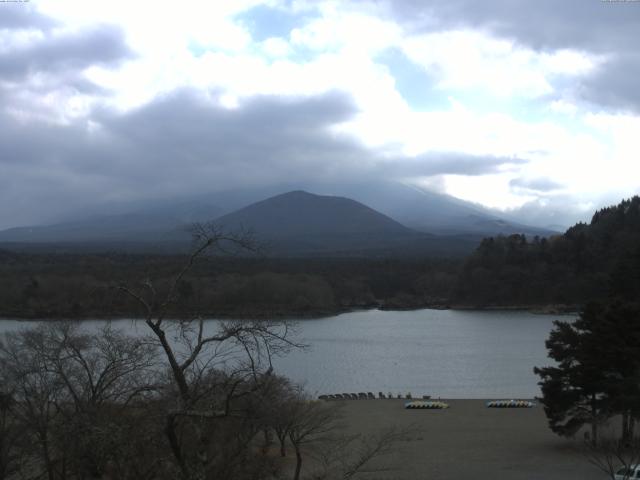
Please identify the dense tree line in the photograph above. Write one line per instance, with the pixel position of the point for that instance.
(596, 373)
(589, 261)
(81, 286)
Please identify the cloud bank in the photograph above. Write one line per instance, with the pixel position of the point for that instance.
(505, 103)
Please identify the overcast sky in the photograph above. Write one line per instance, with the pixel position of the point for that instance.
(531, 105)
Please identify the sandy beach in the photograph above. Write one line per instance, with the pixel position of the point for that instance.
(471, 441)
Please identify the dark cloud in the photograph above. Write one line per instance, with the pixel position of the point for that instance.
(535, 184)
(266, 140)
(23, 16)
(594, 25)
(186, 144)
(615, 85)
(605, 28)
(61, 53)
(44, 69)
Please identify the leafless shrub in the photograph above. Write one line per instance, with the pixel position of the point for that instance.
(612, 455)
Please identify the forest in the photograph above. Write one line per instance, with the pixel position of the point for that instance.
(589, 261)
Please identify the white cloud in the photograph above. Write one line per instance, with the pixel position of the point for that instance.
(490, 190)
(619, 168)
(276, 47)
(350, 32)
(471, 59)
(564, 107)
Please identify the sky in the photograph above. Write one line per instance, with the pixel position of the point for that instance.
(530, 107)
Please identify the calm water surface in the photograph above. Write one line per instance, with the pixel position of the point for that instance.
(442, 353)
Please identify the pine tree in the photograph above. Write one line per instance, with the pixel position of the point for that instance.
(598, 370)
(573, 391)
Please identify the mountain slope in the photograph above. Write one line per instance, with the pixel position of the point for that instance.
(300, 213)
(432, 212)
(296, 223)
(416, 208)
(143, 226)
(397, 219)
(303, 223)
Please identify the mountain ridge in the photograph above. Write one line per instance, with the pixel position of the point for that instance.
(295, 222)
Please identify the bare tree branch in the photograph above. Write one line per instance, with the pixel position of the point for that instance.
(611, 455)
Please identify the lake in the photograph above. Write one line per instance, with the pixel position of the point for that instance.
(442, 353)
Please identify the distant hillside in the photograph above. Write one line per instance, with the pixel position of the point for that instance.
(296, 223)
(437, 213)
(147, 226)
(588, 261)
(413, 207)
(291, 224)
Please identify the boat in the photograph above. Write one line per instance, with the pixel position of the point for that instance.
(429, 405)
(510, 404)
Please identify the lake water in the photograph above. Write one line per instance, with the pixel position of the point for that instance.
(442, 353)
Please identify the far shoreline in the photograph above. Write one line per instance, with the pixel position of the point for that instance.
(553, 309)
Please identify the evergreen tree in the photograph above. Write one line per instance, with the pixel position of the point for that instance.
(617, 327)
(573, 391)
(598, 370)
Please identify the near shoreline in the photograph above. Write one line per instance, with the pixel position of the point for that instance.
(468, 440)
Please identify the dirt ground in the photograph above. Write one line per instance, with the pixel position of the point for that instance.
(470, 441)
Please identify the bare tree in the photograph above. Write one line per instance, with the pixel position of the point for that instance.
(10, 435)
(310, 423)
(72, 392)
(281, 400)
(315, 431)
(242, 350)
(612, 455)
(104, 375)
(97, 368)
(347, 456)
(36, 392)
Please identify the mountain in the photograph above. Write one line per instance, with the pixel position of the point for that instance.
(298, 221)
(299, 213)
(396, 217)
(437, 213)
(291, 224)
(143, 226)
(414, 207)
